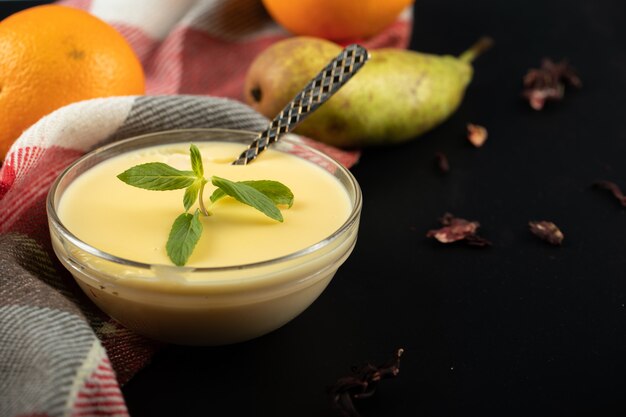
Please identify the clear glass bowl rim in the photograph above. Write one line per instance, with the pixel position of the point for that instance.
(56, 222)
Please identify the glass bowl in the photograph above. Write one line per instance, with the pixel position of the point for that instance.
(203, 306)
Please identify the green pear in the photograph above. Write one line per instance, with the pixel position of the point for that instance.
(397, 96)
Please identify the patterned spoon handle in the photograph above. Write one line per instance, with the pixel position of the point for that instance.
(320, 89)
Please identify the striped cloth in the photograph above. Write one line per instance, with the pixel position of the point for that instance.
(59, 355)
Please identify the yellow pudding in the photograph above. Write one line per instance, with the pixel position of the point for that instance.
(134, 223)
(248, 274)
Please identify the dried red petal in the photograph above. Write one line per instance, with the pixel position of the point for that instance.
(361, 384)
(456, 229)
(547, 231)
(476, 134)
(548, 82)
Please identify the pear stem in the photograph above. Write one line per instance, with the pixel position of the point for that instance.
(477, 49)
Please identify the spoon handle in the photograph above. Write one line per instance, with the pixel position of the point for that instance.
(318, 90)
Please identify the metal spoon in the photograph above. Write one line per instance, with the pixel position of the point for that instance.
(321, 88)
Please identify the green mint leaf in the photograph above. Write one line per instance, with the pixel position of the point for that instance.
(157, 176)
(191, 193)
(263, 195)
(278, 192)
(250, 196)
(183, 238)
(196, 161)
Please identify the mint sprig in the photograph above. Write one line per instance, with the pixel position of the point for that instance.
(263, 195)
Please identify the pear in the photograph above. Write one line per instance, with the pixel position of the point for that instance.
(397, 96)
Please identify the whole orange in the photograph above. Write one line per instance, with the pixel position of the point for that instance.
(53, 55)
(335, 19)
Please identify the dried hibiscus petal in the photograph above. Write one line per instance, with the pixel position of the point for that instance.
(476, 134)
(361, 384)
(547, 231)
(548, 82)
(455, 229)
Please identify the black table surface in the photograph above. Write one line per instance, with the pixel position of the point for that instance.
(517, 329)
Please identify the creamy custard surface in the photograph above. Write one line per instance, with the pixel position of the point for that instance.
(134, 224)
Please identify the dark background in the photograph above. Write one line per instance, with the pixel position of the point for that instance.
(518, 329)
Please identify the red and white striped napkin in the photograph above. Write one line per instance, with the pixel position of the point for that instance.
(59, 355)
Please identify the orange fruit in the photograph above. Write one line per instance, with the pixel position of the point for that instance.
(53, 55)
(335, 19)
